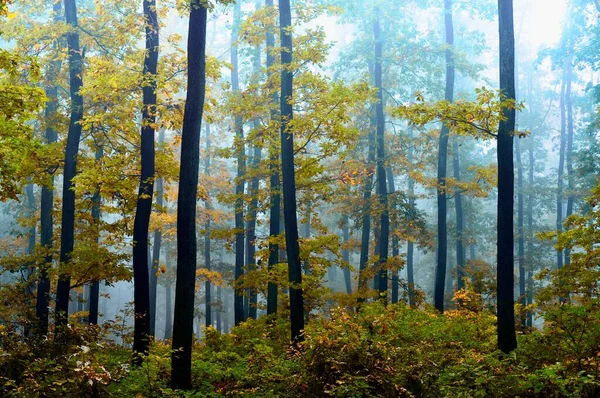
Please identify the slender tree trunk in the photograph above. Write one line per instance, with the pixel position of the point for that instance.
(561, 167)
(207, 230)
(67, 232)
(168, 303)
(384, 234)
(460, 219)
(569, 149)
(410, 273)
(238, 300)
(95, 286)
(507, 340)
(141, 282)
(186, 204)
(47, 195)
(346, 254)
(275, 187)
(154, 267)
(289, 177)
(366, 210)
(442, 249)
(395, 243)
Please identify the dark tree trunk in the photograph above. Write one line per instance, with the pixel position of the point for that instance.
(442, 249)
(561, 167)
(507, 340)
(207, 229)
(168, 303)
(275, 186)
(141, 282)
(238, 300)
(384, 235)
(395, 243)
(95, 286)
(410, 273)
(460, 220)
(366, 210)
(569, 149)
(67, 232)
(289, 177)
(346, 254)
(47, 195)
(156, 248)
(186, 204)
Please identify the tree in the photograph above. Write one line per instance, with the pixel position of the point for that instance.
(67, 231)
(238, 300)
(47, 195)
(146, 190)
(274, 181)
(288, 173)
(507, 339)
(186, 202)
(384, 225)
(442, 247)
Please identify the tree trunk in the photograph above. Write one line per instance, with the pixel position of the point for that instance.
(95, 286)
(168, 303)
(410, 273)
(561, 167)
(275, 186)
(384, 234)
(207, 229)
(442, 249)
(289, 177)
(47, 195)
(67, 232)
(141, 283)
(507, 340)
(395, 243)
(238, 300)
(460, 220)
(186, 204)
(569, 149)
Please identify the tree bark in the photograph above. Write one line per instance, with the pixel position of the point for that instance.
(507, 340)
(275, 186)
(207, 230)
(384, 226)
(460, 219)
(289, 177)
(410, 273)
(168, 302)
(442, 249)
(569, 149)
(238, 299)
(186, 204)
(141, 282)
(395, 243)
(520, 226)
(561, 167)
(67, 234)
(47, 195)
